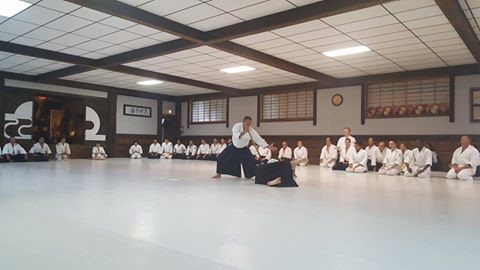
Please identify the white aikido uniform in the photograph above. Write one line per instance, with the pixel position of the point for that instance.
(345, 155)
(469, 156)
(405, 155)
(358, 162)
(221, 148)
(285, 153)
(167, 150)
(136, 151)
(40, 149)
(191, 150)
(179, 149)
(214, 148)
(63, 151)
(417, 160)
(372, 153)
(203, 149)
(265, 152)
(16, 149)
(392, 162)
(301, 154)
(328, 156)
(254, 151)
(341, 142)
(155, 148)
(99, 153)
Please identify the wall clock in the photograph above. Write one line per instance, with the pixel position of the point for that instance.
(337, 100)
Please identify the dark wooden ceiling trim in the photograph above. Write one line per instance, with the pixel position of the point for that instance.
(45, 54)
(454, 13)
(273, 61)
(147, 52)
(172, 78)
(131, 13)
(61, 73)
(289, 17)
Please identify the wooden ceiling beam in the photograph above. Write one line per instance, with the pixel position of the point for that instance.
(289, 17)
(454, 13)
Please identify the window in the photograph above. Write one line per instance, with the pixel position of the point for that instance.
(208, 111)
(409, 98)
(294, 106)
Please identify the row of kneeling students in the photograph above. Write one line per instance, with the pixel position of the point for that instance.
(167, 150)
(40, 151)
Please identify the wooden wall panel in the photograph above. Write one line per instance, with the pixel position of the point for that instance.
(444, 145)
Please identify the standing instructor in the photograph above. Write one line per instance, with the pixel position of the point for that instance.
(238, 154)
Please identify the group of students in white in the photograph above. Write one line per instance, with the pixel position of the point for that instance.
(349, 155)
(40, 151)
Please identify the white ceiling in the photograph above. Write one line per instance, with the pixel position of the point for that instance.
(115, 79)
(404, 35)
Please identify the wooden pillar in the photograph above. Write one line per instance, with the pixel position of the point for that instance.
(112, 124)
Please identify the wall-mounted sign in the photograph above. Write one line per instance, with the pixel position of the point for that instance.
(337, 100)
(134, 110)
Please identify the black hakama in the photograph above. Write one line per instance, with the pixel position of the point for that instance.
(340, 166)
(39, 157)
(230, 160)
(268, 172)
(154, 155)
(179, 156)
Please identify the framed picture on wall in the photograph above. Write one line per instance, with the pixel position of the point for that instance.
(139, 111)
(475, 105)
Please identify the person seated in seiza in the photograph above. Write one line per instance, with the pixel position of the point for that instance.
(135, 151)
(464, 161)
(237, 154)
(167, 147)
(40, 151)
(63, 150)
(13, 151)
(358, 160)
(179, 150)
(155, 150)
(98, 152)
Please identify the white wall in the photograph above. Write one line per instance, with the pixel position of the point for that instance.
(136, 125)
(331, 120)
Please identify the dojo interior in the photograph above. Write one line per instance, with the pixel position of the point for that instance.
(116, 71)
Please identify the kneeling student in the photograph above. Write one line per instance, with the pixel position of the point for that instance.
(98, 153)
(167, 148)
(135, 151)
(214, 147)
(40, 150)
(155, 150)
(419, 162)
(13, 151)
(393, 160)
(191, 150)
(358, 160)
(300, 153)
(222, 147)
(179, 150)
(464, 161)
(345, 153)
(203, 151)
(329, 154)
(63, 150)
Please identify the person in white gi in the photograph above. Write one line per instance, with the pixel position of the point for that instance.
(13, 151)
(222, 147)
(405, 153)
(63, 150)
(191, 150)
(347, 133)
(98, 153)
(358, 160)
(167, 148)
(418, 162)
(300, 154)
(214, 147)
(393, 160)
(265, 154)
(203, 151)
(345, 154)
(135, 151)
(464, 161)
(285, 153)
(179, 150)
(40, 150)
(372, 151)
(155, 151)
(381, 154)
(329, 154)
